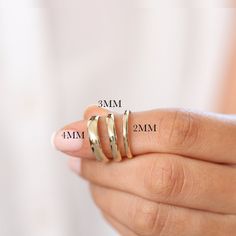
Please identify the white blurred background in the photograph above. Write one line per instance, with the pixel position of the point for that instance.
(56, 58)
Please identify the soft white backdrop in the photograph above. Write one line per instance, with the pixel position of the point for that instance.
(55, 61)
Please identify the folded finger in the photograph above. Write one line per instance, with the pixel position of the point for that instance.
(169, 179)
(150, 218)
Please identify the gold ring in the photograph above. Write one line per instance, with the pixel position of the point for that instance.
(126, 133)
(110, 121)
(94, 140)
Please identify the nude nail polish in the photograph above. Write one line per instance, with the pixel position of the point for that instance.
(66, 140)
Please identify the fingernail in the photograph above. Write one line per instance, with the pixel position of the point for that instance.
(75, 165)
(66, 141)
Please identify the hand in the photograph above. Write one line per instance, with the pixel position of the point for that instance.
(181, 182)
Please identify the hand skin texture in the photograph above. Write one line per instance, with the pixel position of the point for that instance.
(181, 181)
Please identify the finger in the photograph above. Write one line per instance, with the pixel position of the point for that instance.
(149, 218)
(95, 110)
(203, 136)
(71, 146)
(121, 229)
(169, 179)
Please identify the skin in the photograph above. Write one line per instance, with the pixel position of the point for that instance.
(180, 181)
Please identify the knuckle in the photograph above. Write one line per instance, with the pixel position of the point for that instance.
(151, 218)
(165, 178)
(180, 128)
(145, 217)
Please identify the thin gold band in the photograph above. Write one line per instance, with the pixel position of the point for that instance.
(126, 133)
(110, 121)
(94, 140)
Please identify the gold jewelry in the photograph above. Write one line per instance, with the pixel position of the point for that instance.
(110, 121)
(126, 133)
(94, 140)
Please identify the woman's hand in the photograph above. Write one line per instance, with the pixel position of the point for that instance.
(181, 181)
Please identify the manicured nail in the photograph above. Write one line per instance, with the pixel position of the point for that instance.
(75, 165)
(66, 140)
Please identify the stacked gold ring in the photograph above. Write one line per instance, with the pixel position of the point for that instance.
(94, 139)
(110, 121)
(126, 133)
